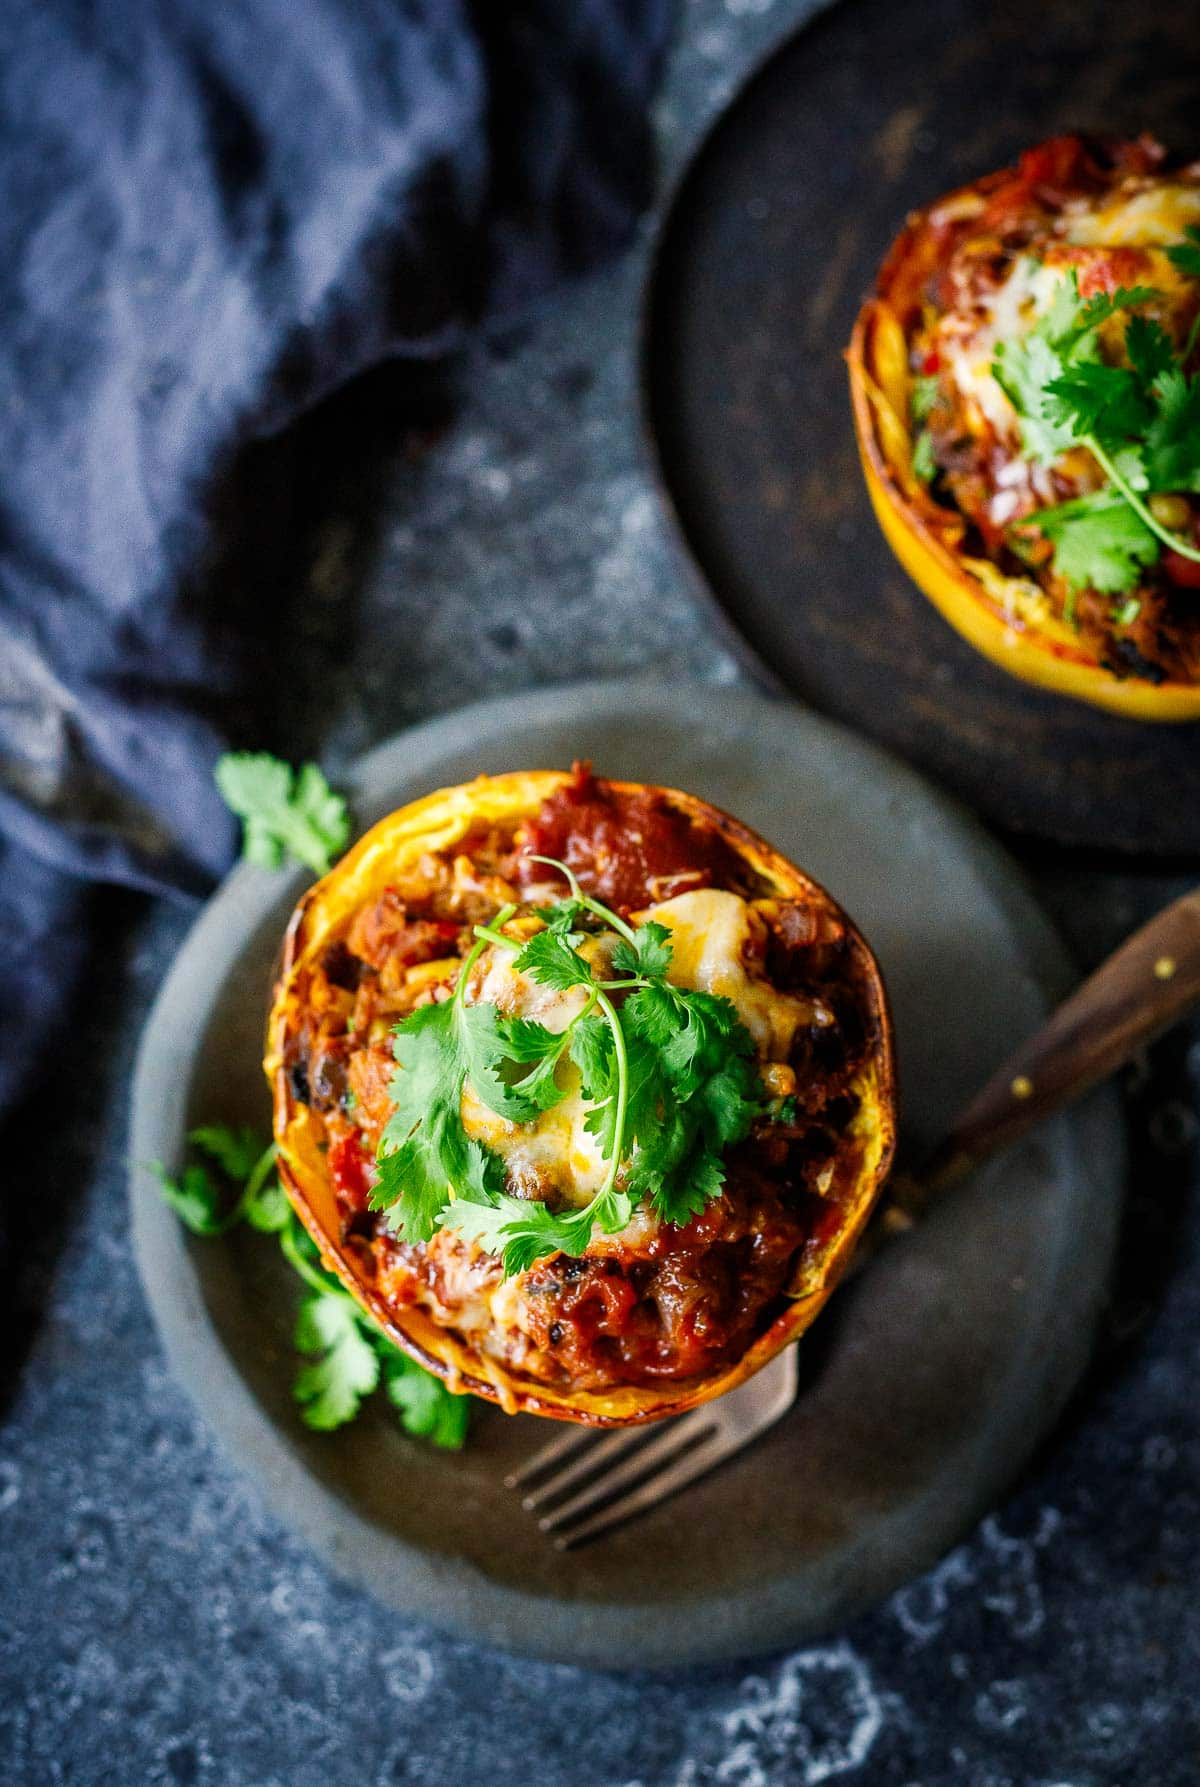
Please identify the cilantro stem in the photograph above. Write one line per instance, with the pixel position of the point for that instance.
(610, 1011)
(314, 1277)
(577, 893)
(1135, 502)
(248, 1193)
(253, 1185)
(1190, 343)
(484, 935)
(488, 934)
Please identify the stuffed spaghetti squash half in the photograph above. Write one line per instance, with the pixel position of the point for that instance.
(583, 1091)
(1026, 393)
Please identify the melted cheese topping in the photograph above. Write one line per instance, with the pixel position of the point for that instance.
(710, 935)
(1155, 217)
(554, 1154)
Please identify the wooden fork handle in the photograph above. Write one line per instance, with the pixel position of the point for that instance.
(1140, 991)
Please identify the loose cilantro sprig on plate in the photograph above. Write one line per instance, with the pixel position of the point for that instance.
(1141, 423)
(198, 1197)
(669, 1075)
(347, 1356)
(284, 812)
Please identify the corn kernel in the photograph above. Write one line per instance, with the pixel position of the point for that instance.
(1174, 512)
(779, 1079)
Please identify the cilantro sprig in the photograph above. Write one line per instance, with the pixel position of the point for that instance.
(197, 1196)
(1186, 255)
(669, 1075)
(284, 811)
(1140, 423)
(346, 1355)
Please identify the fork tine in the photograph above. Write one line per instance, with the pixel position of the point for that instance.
(676, 1437)
(609, 1450)
(564, 1445)
(695, 1463)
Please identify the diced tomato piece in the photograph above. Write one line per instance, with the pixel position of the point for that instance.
(1183, 571)
(1054, 166)
(347, 1169)
(617, 1297)
(1108, 271)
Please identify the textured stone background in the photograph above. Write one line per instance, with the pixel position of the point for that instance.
(156, 1624)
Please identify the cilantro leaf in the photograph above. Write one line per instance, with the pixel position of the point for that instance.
(331, 1388)
(1173, 437)
(924, 462)
(681, 1180)
(694, 1092)
(923, 396)
(650, 952)
(1149, 349)
(1140, 423)
(1101, 306)
(416, 1178)
(1023, 368)
(541, 1087)
(1062, 318)
(426, 1407)
(200, 1200)
(195, 1197)
(520, 1230)
(1099, 542)
(1105, 401)
(523, 1230)
(265, 1207)
(491, 1056)
(236, 1151)
(1186, 255)
(423, 1151)
(562, 917)
(549, 959)
(593, 1054)
(670, 1080)
(1130, 462)
(1048, 358)
(284, 812)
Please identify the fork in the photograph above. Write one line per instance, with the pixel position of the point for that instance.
(649, 1462)
(581, 1485)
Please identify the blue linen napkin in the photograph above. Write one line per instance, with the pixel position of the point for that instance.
(210, 217)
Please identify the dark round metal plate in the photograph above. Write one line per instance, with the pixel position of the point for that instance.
(773, 239)
(926, 1385)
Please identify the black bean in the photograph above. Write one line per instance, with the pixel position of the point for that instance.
(342, 967)
(328, 1083)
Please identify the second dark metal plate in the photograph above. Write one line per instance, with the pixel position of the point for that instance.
(774, 237)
